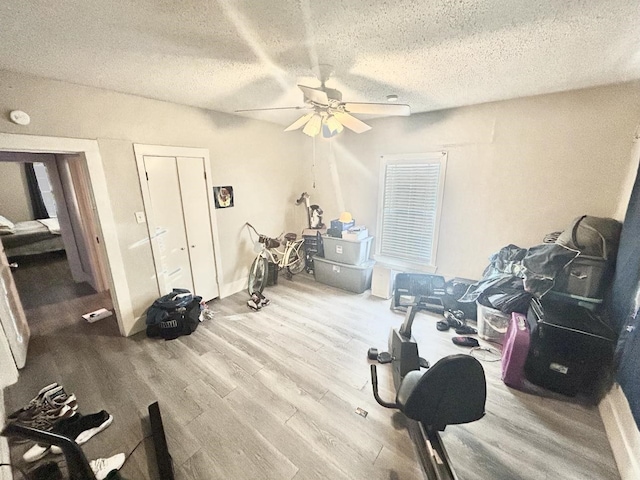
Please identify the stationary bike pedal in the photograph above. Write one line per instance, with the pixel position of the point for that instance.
(384, 357)
(424, 363)
(372, 354)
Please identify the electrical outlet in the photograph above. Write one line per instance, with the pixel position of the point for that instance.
(140, 217)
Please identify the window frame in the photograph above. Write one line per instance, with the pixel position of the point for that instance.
(439, 157)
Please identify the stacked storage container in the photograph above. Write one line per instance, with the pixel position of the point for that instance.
(570, 348)
(582, 282)
(345, 264)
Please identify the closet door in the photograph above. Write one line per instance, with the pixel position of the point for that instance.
(167, 224)
(195, 205)
(13, 321)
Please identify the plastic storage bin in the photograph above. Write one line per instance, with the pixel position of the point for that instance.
(582, 277)
(355, 278)
(492, 323)
(346, 251)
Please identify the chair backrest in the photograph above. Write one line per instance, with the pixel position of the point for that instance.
(452, 391)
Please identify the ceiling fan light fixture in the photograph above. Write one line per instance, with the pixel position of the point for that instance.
(313, 126)
(333, 124)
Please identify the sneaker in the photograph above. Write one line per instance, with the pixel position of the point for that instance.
(452, 320)
(52, 401)
(253, 305)
(103, 466)
(262, 300)
(50, 407)
(46, 422)
(34, 403)
(81, 428)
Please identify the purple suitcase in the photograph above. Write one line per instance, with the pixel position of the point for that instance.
(515, 350)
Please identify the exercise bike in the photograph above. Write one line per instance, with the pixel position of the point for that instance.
(452, 391)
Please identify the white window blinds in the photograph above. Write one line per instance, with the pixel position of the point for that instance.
(412, 194)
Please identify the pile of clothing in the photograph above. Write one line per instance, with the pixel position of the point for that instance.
(53, 410)
(516, 274)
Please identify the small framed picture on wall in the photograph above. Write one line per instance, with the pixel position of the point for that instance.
(223, 197)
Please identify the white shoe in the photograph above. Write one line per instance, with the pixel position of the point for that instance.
(102, 466)
(35, 453)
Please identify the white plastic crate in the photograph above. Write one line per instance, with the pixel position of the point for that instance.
(492, 324)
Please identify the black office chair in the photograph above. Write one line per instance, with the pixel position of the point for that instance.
(77, 463)
(453, 391)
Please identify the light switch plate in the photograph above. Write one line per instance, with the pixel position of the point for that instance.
(140, 218)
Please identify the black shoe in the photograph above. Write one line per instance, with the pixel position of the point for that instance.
(465, 341)
(452, 320)
(80, 428)
(442, 325)
(46, 471)
(466, 330)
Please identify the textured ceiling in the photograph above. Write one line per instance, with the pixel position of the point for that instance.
(226, 55)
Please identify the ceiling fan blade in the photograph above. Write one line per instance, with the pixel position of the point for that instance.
(300, 122)
(273, 108)
(351, 122)
(316, 95)
(378, 109)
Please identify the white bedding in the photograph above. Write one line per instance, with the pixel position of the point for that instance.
(52, 224)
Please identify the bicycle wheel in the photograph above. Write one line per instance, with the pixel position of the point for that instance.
(258, 275)
(296, 261)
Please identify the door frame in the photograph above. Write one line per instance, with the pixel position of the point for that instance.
(117, 278)
(142, 150)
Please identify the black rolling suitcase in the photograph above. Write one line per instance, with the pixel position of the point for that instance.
(570, 349)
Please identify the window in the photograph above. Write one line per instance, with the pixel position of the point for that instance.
(411, 190)
(44, 184)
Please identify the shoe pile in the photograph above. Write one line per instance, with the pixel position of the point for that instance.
(455, 319)
(53, 410)
(257, 301)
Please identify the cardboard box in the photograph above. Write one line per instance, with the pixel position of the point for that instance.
(337, 224)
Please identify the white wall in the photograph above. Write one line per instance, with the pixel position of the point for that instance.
(14, 194)
(516, 169)
(258, 159)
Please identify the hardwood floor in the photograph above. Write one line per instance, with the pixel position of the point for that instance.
(272, 394)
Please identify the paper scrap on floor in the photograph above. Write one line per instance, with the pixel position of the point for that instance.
(97, 315)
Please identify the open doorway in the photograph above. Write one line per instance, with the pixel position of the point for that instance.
(53, 244)
(107, 232)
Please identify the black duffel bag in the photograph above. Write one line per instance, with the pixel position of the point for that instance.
(174, 314)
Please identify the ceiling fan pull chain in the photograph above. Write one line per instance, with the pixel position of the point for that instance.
(313, 165)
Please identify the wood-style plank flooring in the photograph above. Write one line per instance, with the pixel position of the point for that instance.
(272, 395)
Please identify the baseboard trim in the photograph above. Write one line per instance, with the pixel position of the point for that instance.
(623, 434)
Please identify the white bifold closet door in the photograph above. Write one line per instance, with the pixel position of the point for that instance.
(179, 225)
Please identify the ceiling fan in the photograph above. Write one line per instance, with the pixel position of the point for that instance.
(328, 114)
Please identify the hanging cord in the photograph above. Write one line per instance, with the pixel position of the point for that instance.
(486, 354)
(22, 472)
(134, 448)
(63, 463)
(313, 165)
